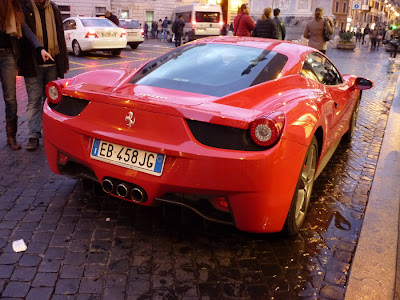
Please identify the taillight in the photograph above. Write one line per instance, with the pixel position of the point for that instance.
(220, 203)
(194, 23)
(266, 130)
(54, 91)
(123, 33)
(221, 23)
(91, 34)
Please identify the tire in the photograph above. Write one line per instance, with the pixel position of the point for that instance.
(302, 194)
(76, 49)
(133, 46)
(187, 38)
(116, 52)
(347, 137)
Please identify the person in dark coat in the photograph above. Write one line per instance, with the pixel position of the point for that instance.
(12, 29)
(177, 29)
(39, 14)
(113, 18)
(266, 27)
(280, 25)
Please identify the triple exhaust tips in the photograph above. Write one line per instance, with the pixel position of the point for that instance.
(124, 190)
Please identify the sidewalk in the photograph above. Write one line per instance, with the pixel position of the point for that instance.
(375, 264)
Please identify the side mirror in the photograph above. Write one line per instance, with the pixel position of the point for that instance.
(363, 84)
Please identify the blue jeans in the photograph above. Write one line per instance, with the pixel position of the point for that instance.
(35, 87)
(164, 31)
(8, 73)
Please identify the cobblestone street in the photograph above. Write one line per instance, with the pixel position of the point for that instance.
(82, 247)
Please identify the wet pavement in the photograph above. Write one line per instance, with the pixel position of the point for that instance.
(82, 247)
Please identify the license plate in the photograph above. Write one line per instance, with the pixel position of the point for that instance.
(132, 33)
(108, 34)
(144, 161)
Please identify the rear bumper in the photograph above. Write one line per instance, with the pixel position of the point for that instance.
(259, 185)
(101, 44)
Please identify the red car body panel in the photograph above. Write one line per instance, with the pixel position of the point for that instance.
(259, 185)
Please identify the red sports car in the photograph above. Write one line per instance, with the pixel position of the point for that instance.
(236, 129)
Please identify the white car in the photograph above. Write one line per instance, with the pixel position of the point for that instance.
(91, 34)
(135, 33)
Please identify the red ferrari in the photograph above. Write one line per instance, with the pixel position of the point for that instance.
(236, 129)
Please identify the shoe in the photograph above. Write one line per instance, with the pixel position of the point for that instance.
(33, 144)
(11, 129)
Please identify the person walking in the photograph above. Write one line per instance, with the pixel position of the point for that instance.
(394, 43)
(113, 18)
(243, 23)
(12, 29)
(165, 28)
(266, 27)
(146, 30)
(374, 38)
(280, 25)
(159, 30)
(177, 29)
(44, 19)
(314, 28)
(366, 32)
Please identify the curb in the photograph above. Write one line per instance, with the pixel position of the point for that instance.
(373, 271)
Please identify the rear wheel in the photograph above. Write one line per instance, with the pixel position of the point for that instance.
(76, 48)
(133, 45)
(347, 137)
(302, 194)
(116, 52)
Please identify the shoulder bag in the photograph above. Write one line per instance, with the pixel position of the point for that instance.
(325, 34)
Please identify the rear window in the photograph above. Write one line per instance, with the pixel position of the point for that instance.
(209, 17)
(211, 69)
(97, 23)
(131, 24)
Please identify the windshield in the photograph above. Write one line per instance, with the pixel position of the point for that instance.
(97, 23)
(211, 69)
(209, 17)
(129, 24)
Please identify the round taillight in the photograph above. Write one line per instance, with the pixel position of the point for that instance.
(53, 92)
(266, 131)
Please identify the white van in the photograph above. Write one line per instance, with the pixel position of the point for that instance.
(201, 20)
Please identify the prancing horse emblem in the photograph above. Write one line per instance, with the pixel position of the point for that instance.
(128, 118)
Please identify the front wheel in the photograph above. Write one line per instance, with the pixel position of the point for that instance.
(347, 137)
(76, 48)
(302, 194)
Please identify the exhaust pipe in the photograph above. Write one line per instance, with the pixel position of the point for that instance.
(122, 190)
(137, 195)
(107, 186)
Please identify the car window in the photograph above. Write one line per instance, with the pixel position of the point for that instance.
(97, 23)
(209, 17)
(69, 25)
(129, 24)
(211, 69)
(319, 68)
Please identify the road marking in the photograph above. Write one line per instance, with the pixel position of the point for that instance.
(118, 63)
(73, 62)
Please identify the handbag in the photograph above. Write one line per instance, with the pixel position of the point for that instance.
(325, 34)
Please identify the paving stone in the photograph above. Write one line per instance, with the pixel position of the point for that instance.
(45, 280)
(16, 289)
(67, 286)
(41, 293)
(23, 273)
(70, 271)
(6, 271)
(92, 285)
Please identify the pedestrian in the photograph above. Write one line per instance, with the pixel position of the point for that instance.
(394, 43)
(113, 18)
(314, 28)
(358, 34)
(146, 30)
(280, 25)
(266, 27)
(374, 38)
(177, 29)
(165, 28)
(12, 29)
(243, 23)
(44, 19)
(381, 34)
(159, 30)
(153, 29)
(366, 32)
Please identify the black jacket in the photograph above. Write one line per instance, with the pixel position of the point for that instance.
(266, 29)
(113, 18)
(28, 63)
(30, 38)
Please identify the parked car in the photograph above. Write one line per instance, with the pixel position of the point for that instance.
(135, 34)
(236, 129)
(93, 34)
